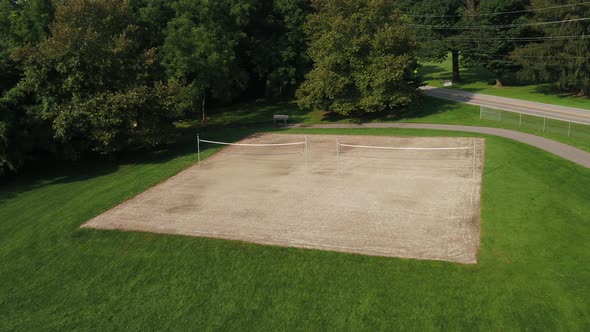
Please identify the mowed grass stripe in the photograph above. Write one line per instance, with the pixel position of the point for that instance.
(532, 271)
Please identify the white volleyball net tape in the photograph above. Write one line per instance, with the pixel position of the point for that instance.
(401, 156)
(271, 148)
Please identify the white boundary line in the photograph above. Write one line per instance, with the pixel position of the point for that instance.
(405, 148)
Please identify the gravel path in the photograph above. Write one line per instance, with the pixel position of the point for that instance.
(568, 152)
(511, 104)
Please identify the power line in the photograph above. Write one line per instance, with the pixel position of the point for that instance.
(503, 13)
(481, 27)
(529, 56)
(514, 38)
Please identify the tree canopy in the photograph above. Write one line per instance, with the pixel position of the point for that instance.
(491, 47)
(92, 80)
(435, 22)
(553, 57)
(363, 58)
(85, 76)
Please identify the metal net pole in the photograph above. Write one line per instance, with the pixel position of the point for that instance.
(306, 155)
(198, 151)
(544, 123)
(337, 155)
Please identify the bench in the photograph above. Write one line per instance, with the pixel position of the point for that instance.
(280, 117)
(447, 83)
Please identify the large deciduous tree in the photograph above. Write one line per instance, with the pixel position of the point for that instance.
(200, 48)
(92, 80)
(363, 58)
(21, 23)
(273, 47)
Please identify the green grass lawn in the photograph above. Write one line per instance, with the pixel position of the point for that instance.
(532, 274)
(482, 81)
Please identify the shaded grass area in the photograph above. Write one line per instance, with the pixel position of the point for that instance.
(532, 271)
(480, 80)
(253, 113)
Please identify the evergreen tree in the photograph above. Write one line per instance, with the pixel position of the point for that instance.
(492, 38)
(561, 59)
(436, 22)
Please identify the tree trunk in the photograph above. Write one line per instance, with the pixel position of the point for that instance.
(498, 82)
(203, 118)
(585, 89)
(455, 59)
(562, 79)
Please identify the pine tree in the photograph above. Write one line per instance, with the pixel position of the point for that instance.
(561, 59)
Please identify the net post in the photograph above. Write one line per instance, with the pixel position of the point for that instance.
(499, 116)
(198, 150)
(306, 155)
(569, 129)
(480, 112)
(520, 120)
(337, 155)
(473, 155)
(544, 123)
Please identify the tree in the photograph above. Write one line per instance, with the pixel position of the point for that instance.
(556, 58)
(436, 25)
(362, 58)
(293, 60)
(93, 81)
(272, 49)
(492, 40)
(200, 48)
(21, 23)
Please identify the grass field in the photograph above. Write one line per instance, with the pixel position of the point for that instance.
(532, 273)
(480, 80)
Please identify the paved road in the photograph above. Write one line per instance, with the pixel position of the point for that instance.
(510, 104)
(576, 155)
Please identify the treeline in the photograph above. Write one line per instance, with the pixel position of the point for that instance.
(83, 76)
(105, 76)
(541, 40)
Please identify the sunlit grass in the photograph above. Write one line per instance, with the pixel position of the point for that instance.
(480, 80)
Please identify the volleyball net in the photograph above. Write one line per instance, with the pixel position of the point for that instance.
(258, 148)
(403, 155)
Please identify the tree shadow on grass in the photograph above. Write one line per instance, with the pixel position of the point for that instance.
(251, 113)
(430, 70)
(48, 173)
(553, 90)
(56, 172)
(424, 107)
